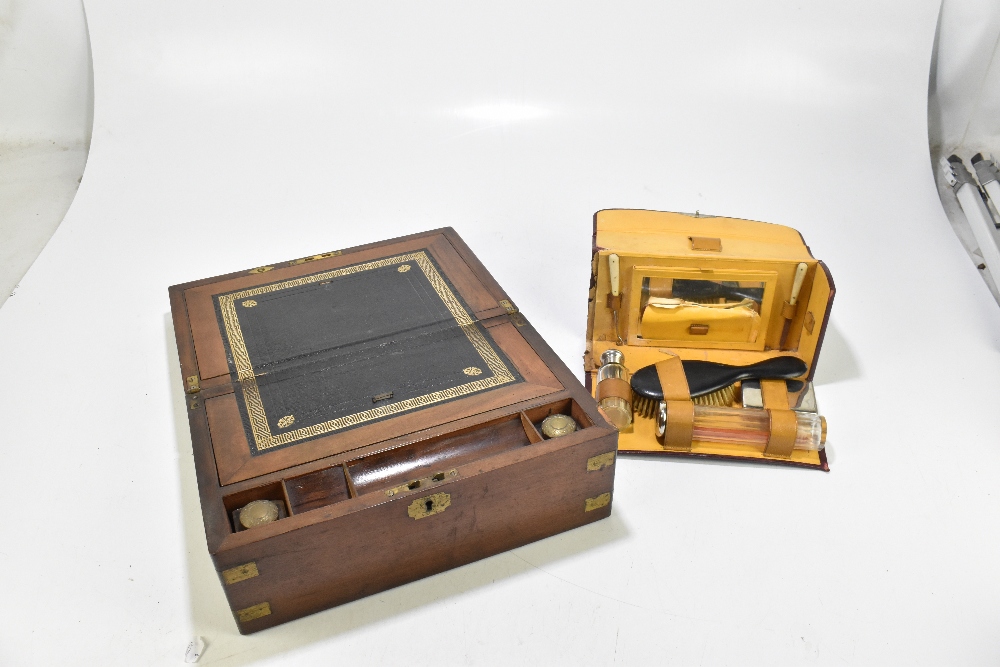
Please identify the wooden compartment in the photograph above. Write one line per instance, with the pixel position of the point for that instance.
(317, 489)
(387, 468)
(274, 492)
(567, 407)
(407, 465)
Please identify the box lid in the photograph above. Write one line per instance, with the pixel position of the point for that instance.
(322, 355)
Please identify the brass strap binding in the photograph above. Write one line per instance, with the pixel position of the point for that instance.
(240, 573)
(254, 612)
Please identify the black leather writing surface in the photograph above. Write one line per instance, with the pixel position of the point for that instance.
(337, 349)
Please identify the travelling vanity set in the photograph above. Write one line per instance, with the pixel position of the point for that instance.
(367, 417)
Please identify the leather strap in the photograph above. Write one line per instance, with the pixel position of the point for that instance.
(672, 379)
(680, 425)
(680, 409)
(787, 311)
(784, 424)
(706, 244)
(614, 387)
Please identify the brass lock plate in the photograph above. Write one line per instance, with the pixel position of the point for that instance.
(415, 484)
(429, 505)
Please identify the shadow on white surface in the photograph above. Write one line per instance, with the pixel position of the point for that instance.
(212, 619)
(837, 362)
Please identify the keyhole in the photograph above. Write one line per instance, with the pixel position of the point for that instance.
(429, 504)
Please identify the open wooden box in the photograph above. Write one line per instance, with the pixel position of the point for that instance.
(656, 252)
(387, 400)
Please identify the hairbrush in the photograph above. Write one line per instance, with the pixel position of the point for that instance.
(713, 383)
(709, 290)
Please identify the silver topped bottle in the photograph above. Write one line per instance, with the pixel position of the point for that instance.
(616, 408)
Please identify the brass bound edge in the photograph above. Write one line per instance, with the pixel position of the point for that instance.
(240, 573)
(256, 611)
(600, 461)
(597, 503)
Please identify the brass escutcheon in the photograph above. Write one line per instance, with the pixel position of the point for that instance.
(428, 505)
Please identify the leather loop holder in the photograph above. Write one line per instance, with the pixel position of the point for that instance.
(784, 424)
(613, 388)
(680, 409)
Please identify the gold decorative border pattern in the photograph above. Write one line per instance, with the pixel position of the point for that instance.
(263, 437)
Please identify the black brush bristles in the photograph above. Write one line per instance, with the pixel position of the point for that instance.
(646, 407)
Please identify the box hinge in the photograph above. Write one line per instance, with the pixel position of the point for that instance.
(193, 384)
(513, 312)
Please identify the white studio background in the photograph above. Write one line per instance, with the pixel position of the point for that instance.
(232, 134)
(965, 79)
(46, 114)
(963, 107)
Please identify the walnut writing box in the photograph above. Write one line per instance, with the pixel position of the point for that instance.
(386, 401)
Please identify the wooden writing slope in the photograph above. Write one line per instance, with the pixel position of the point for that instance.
(388, 400)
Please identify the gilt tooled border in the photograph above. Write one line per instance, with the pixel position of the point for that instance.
(263, 437)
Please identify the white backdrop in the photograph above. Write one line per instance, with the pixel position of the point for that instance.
(965, 78)
(963, 107)
(234, 134)
(46, 113)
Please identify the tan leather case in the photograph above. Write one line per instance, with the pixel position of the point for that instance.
(655, 250)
